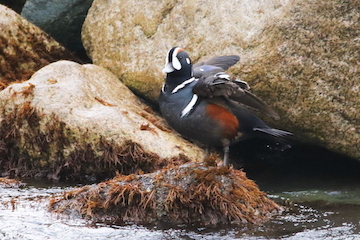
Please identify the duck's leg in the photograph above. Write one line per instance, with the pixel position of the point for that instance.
(226, 155)
(208, 151)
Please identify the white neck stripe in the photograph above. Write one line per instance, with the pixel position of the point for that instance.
(183, 84)
(190, 106)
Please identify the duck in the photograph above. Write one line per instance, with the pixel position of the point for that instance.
(203, 103)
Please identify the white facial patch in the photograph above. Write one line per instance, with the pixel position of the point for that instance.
(175, 61)
(188, 60)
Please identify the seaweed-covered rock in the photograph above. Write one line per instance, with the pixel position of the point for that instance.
(24, 48)
(187, 194)
(302, 57)
(79, 121)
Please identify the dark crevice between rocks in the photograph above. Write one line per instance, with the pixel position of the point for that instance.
(16, 5)
(297, 165)
(31, 149)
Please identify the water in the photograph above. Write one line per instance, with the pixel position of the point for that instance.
(321, 220)
(322, 197)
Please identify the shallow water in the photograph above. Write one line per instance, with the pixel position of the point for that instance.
(322, 197)
(319, 219)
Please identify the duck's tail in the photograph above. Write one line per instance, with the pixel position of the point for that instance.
(274, 132)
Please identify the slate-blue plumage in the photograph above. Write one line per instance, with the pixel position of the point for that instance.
(203, 104)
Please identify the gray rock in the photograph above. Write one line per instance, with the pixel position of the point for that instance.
(301, 57)
(62, 19)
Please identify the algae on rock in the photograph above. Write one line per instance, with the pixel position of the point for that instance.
(77, 121)
(187, 194)
(25, 48)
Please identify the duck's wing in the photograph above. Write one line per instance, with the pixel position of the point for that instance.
(251, 100)
(219, 85)
(223, 62)
(216, 64)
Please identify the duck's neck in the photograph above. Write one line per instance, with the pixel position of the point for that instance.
(176, 79)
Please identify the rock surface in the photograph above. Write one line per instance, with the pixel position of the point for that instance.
(188, 194)
(62, 19)
(24, 48)
(132, 40)
(77, 121)
(301, 57)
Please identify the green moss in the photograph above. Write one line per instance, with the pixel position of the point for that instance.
(149, 24)
(139, 81)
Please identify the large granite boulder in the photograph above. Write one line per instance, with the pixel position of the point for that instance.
(302, 57)
(62, 19)
(77, 121)
(132, 38)
(24, 48)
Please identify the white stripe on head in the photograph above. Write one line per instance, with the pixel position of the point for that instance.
(175, 61)
(172, 63)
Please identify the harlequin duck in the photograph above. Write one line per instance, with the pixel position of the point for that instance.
(202, 103)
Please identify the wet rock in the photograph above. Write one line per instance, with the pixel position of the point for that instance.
(62, 19)
(188, 194)
(77, 121)
(299, 56)
(10, 183)
(24, 48)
